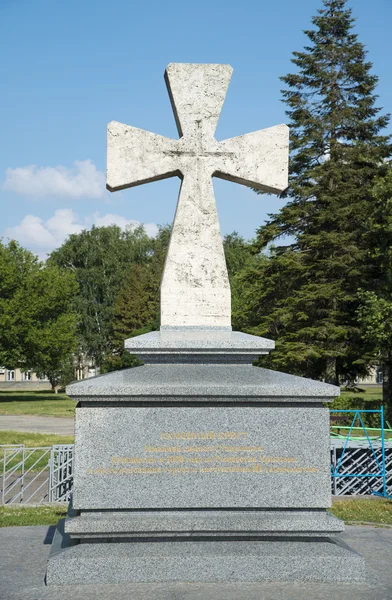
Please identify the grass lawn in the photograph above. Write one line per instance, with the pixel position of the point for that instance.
(363, 510)
(33, 440)
(12, 516)
(36, 403)
(367, 393)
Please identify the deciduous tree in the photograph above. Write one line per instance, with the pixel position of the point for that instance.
(100, 259)
(37, 323)
(375, 317)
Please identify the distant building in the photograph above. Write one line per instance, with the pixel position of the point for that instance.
(85, 371)
(84, 367)
(375, 377)
(11, 378)
(16, 376)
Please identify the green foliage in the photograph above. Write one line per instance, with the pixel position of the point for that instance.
(375, 318)
(357, 403)
(37, 325)
(51, 337)
(100, 258)
(238, 253)
(16, 267)
(305, 294)
(67, 374)
(136, 308)
(244, 267)
(116, 362)
(132, 308)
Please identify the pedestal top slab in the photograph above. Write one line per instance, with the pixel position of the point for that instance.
(196, 341)
(201, 382)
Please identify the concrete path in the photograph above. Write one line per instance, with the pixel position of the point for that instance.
(24, 552)
(37, 424)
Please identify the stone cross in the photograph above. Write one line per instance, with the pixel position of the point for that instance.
(195, 290)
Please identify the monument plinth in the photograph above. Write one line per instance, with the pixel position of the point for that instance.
(198, 466)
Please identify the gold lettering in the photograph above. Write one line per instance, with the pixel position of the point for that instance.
(221, 455)
(204, 435)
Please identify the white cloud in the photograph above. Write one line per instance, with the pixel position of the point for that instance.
(109, 219)
(82, 181)
(43, 236)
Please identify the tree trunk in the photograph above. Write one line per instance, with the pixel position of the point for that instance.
(387, 385)
(330, 371)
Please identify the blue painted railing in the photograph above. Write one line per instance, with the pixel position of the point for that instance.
(379, 460)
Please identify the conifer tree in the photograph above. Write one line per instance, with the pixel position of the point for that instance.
(375, 309)
(305, 296)
(136, 309)
(132, 307)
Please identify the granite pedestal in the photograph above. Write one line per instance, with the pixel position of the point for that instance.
(201, 469)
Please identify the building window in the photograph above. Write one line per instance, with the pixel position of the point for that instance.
(10, 375)
(26, 375)
(2, 370)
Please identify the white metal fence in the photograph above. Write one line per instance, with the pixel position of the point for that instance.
(35, 475)
(44, 475)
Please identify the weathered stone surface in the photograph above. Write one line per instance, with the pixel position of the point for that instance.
(207, 561)
(195, 289)
(201, 383)
(201, 457)
(196, 524)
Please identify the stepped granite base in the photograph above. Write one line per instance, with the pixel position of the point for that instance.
(92, 525)
(316, 559)
(202, 471)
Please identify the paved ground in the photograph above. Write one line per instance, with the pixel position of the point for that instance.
(24, 551)
(61, 426)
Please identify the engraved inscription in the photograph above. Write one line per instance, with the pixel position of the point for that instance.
(215, 452)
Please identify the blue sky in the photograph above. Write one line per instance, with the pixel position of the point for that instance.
(68, 68)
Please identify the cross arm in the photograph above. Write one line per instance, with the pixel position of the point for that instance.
(135, 156)
(258, 159)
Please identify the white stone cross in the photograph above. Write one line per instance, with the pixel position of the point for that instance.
(195, 290)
